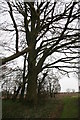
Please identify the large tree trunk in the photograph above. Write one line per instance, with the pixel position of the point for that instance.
(32, 76)
(32, 89)
(32, 73)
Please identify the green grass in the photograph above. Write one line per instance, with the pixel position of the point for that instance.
(16, 109)
(70, 109)
(64, 107)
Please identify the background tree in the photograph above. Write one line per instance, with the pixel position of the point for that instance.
(73, 90)
(68, 90)
(53, 84)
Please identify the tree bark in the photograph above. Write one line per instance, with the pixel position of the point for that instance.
(32, 77)
(32, 73)
(32, 89)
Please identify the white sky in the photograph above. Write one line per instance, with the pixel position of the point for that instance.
(71, 83)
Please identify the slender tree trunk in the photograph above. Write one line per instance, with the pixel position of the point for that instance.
(39, 88)
(50, 90)
(16, 93)
(40, 83)
(22, 91)
(24, 80)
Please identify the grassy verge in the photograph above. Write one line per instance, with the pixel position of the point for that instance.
(70, 109)
(63, 107)
(48, 109)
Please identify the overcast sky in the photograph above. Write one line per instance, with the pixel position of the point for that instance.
(71, 83)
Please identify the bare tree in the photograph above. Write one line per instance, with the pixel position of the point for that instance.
(68, 90)
(48, 29)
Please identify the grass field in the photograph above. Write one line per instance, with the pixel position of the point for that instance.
(70, 109)
(61, 107)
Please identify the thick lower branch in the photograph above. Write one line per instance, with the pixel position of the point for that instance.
(14, 56)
